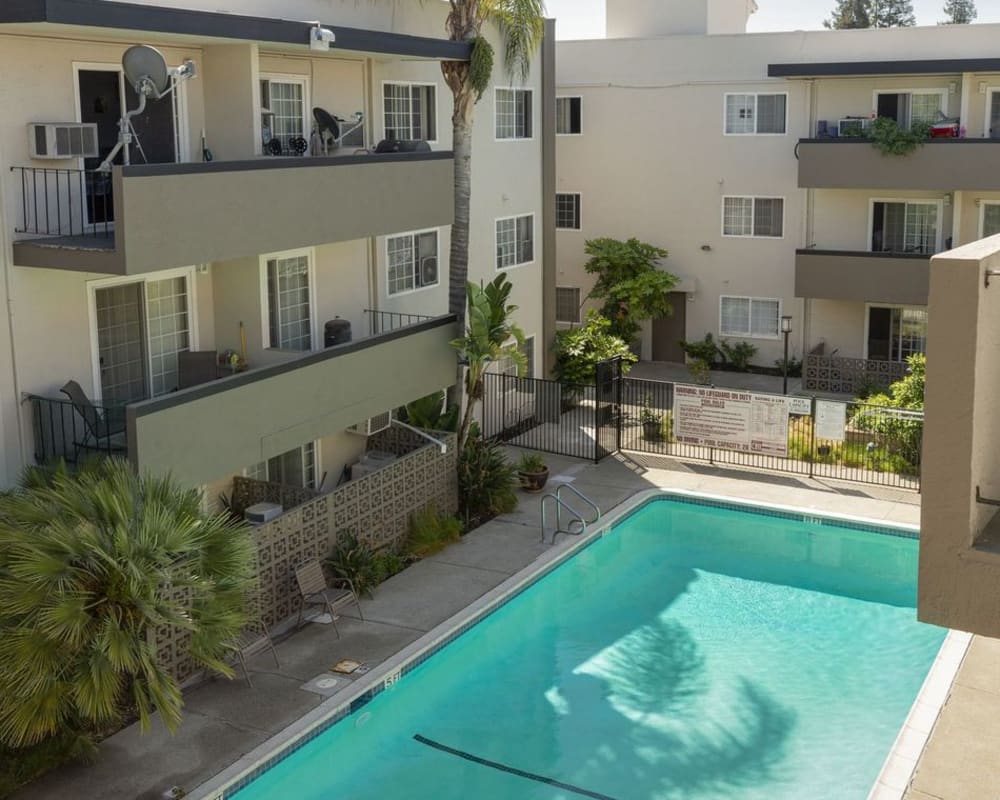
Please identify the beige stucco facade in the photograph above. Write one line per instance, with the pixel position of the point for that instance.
(214, 225)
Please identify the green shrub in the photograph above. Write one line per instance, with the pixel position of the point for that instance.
(355, 561)
(705, 350)
(431, 531)
(387, 564)
(579, 350)
(531, 463)
(890, 139)
(794, 366)
(23, 765)
(486, 481)
(427, 413)
(701, 371)
(737, 355)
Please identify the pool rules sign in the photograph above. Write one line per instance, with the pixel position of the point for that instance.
(734, 420)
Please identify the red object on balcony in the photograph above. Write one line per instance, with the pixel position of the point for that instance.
(944, 130)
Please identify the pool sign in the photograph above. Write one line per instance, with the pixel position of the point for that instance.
(733, 420)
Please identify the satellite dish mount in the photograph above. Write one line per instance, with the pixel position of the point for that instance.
(145, 71)
(332, 129)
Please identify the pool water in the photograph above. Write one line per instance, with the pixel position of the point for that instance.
(694, 652)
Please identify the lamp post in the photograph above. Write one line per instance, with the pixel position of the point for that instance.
(786, 329)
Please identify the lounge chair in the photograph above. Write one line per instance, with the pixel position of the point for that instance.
(315, 592)
(104, 433)
(251, 640)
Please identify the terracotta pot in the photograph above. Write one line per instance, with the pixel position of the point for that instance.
(651, 431)
(533, 481)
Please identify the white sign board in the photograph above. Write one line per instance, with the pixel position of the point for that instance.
(831, 420)
(731, 420)
(800, 405)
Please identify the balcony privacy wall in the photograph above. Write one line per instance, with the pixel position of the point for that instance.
(377, 508)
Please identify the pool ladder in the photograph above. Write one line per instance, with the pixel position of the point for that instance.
(577, 524)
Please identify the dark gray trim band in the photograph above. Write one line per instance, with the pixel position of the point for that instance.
(865, 140)
(146, 407)
(913, 67)
(276, 162)
(861, 254)
(190, 22)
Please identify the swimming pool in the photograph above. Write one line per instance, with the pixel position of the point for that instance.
(699, 650)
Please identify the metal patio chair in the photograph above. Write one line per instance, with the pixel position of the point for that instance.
(103, 432)
(253, 639)
(315, 592)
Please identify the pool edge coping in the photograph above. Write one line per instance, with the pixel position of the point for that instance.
(341, 704)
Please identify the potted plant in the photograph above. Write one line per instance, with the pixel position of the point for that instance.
(652, 422)
(701, 371)
(533, 472)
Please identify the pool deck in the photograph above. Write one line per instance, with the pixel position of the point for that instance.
(225, 720)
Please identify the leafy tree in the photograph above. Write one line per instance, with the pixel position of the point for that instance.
(490, 335)
(579, 350)
(521, 24)
(629, 283)
(872, 14)
(90, 563)
(849, 14)
(960, 12)
(430, 413)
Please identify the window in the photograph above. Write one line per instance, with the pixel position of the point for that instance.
(568, 211)
(295, 468)
(753, 216)
(990, 225)
(289, 318)
(754, 317)
(508, 366)
(567, 304)
(756, 114)
(513, 113)
(568, 116)
(409, 111)
(285, 100)
(895, 333)
(412, 261)
(908, 107)
(904, 227)
(515, 241)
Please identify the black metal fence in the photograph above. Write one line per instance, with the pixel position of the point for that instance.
(61, 430)
(850, 440)
(65, 202)
(386, 321)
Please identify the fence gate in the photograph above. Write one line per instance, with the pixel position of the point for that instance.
(607, 408)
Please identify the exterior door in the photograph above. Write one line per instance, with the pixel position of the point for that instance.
(894, 334)
(121, 343)
(668, 331)
(993, 121)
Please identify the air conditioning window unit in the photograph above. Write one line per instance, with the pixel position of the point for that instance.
(428, 271)
(262, 512)
(62, 139)
(855, 126)
(372, 425)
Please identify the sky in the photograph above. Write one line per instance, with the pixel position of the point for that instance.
(584, 19)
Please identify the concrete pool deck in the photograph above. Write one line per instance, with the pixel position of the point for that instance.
(224, 720)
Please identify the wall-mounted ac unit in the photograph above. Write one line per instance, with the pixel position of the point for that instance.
(854, 126)
(260, 513)
(428, 271)
(372, 425)
(62, 139)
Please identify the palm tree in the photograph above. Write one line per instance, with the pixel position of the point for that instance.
(522, 24)
(90, 563)
(490, 335)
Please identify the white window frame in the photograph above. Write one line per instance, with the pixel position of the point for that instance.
(496, 241)
(433, 113)
(317, 470)
(278, 77)
(751, 298)
(568, 97)
(265, 305)
(753, 212)
(92, 286)
(908, 200)
(755, 95)
(413, 234)
(942, 94)
(496, 113)
(869, 307)
(579, 216)
(982, 214)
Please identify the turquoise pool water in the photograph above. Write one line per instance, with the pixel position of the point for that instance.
(696, 652)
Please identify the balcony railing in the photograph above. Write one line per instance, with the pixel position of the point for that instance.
(67, 431)
(65, 202)
(380, 322)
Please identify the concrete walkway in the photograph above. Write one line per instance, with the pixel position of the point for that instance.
(678, 373)
(224, 720)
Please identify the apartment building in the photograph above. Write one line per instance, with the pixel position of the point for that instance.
(744, 156)
(250, 293)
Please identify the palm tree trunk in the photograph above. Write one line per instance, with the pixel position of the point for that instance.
(458, 264)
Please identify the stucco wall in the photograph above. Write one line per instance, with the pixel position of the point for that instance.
(837, 324)
(841, 218)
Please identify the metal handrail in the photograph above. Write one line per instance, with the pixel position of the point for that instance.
(386, 321)
(582, 496)
(65, 202)
(575, 515)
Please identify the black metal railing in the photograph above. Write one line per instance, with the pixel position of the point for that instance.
(386, 321)
(64, 430)
(65, 202)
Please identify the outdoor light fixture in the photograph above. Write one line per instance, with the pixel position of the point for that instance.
(786, 329)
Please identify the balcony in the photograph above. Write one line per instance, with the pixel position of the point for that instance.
(216, 428)
(944, 165)
(150, 217)
(901, 278)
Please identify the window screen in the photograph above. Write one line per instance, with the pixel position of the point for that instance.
(567, 304)
(568, 211)
(568, 115)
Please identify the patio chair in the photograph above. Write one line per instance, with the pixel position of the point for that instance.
(315, 592)
(252, 640)
(104, 433)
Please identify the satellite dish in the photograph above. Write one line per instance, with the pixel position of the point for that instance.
(146, 70)
(325, 121)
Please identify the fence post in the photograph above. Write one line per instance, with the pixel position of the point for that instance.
(619, 381)
(812, 434)
(503, 406)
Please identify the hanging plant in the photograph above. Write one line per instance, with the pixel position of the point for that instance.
(480, 66)
(892, 140)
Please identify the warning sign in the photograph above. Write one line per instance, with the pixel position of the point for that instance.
(732, 420)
